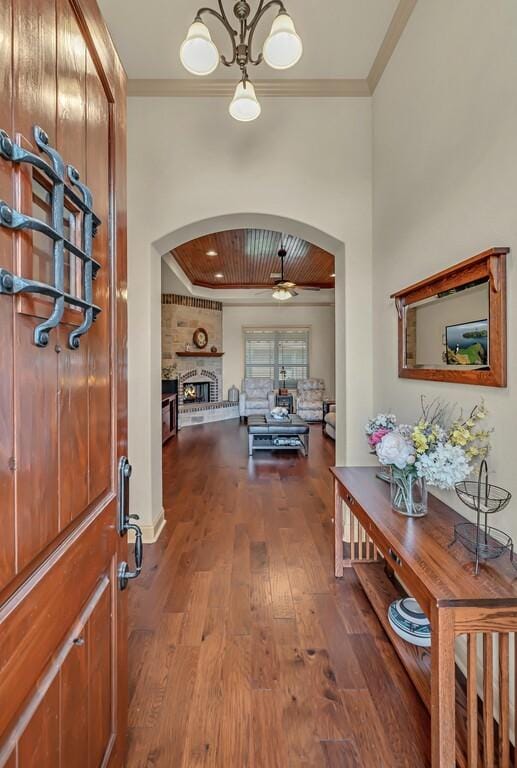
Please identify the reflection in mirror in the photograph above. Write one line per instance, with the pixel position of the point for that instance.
(449, 330)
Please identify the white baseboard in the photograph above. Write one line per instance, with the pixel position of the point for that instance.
(151, 533)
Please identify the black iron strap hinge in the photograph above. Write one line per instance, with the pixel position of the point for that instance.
(62, 185)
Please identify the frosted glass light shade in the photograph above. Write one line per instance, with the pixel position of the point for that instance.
(281, 294)
(198, 53)
(283, 47)
(244, 105)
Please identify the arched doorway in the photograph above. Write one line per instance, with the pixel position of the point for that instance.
(145, 414)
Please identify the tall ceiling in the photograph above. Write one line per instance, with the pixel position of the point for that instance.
(248, 258)
(341, 37)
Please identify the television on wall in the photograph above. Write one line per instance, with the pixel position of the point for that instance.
(467, 343)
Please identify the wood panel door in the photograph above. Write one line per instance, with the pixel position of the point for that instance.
(63, 669)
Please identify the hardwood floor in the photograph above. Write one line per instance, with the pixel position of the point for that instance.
(244, 649)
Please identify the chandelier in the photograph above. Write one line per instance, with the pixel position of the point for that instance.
(282, 49)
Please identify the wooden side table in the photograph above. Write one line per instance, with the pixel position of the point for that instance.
(285, 401)
(379, 544)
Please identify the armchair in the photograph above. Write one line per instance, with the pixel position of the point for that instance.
(257, 397)
(329, 422)
(310, 394)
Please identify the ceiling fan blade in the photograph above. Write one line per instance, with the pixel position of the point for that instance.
(309, 288)
(292, 292)
(261, 293)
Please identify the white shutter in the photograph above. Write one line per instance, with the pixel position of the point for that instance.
(267, 350)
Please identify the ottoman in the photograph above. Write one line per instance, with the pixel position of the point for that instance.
(268, 434)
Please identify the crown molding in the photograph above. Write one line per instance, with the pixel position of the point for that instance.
(187, 87)
(308, 88)
(391, 39)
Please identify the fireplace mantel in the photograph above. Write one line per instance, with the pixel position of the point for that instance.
(200, 354)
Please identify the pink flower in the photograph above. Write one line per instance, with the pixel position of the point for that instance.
(377, 436)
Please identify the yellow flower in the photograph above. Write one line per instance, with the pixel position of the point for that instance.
(420, 440)
(461, 435)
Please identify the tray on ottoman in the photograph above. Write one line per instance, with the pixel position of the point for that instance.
(268, 434)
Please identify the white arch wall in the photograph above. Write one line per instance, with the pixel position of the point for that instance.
(304, 167)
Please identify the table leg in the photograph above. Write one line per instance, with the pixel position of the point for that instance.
(250, 445)
(443, 689)
(338, 532)
(306, 444)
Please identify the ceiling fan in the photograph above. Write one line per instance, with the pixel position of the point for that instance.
(285, 289)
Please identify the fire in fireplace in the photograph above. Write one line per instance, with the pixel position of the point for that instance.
(196, 392)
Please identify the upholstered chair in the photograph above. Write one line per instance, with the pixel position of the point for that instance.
(257, 397)
(330, 422)
(310, 394)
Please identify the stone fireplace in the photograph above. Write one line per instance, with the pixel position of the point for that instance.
(200, 377)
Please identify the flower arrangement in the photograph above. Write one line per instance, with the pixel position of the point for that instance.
(378, 427)
(438, 450)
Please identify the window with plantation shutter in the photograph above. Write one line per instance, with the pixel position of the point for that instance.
(269, 350)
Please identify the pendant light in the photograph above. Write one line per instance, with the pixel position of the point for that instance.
(245, 106)
(198, 53)
(282, 49)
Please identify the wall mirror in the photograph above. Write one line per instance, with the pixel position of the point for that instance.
(452, 326)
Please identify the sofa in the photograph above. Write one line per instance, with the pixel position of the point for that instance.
(310, 394)
(329, 422)
(257, 397)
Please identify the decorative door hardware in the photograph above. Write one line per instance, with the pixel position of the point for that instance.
(124, 524)
(62, 186)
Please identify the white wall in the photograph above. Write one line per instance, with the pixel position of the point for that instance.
(305, 159)
(319, 319)
(445, 172)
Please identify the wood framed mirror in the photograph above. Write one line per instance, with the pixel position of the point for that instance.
(452, 326)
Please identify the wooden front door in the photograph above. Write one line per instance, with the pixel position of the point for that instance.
(63, 409)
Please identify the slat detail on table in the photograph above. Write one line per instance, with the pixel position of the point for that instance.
(488, 700)
(358, 544)
(472, 701)
(504, 701)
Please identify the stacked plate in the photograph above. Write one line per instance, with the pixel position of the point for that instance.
(409, 622)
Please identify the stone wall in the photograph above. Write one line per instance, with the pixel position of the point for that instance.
(181, 315)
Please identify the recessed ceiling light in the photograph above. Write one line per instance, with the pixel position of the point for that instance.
(219, 274)
(212, 253)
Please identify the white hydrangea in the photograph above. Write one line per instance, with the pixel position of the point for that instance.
(381, 421)
(395, 449)
(444, 467)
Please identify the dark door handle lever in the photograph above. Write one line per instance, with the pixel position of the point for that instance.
(125, 524)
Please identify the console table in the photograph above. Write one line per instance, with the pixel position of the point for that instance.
(385, 550)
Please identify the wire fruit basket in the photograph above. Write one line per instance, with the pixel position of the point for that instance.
(479, 538)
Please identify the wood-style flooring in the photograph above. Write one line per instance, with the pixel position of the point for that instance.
(244, 648)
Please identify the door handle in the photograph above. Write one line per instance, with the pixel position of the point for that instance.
(125, 524)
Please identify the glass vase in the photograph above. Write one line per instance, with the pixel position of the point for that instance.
(408, 493)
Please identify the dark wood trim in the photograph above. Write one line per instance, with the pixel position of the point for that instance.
(200, 354)
(490, 265)
(433, 284)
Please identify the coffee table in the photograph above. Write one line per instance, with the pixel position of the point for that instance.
(268, 434)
